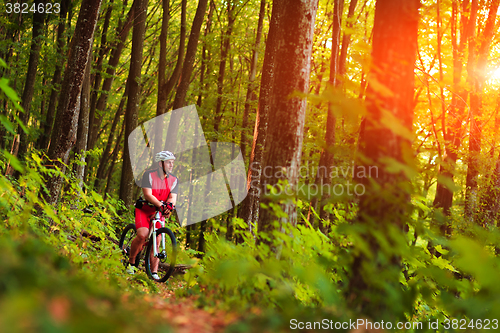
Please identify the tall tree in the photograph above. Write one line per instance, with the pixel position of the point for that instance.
(187, 70)
(98, 106)
(477, 74)
(68, 109)
(286, 127)
(385, 203)
(249, 211)
(29, 85)
(83, 125)
(43, 140)
(453, 130)
(134, 91)
(326, 157)
(225, 46)
(165, 87)
(103, 163)
(251, 95)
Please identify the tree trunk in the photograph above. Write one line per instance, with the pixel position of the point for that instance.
(187, 70)
(346, 39)
(225, 45)
(43, 141)
(174, 78)
(106, 153)
(134, 91)
(29, 85)
(114, 155)
(114, 59)
(103, 51)
(385, 204)
(284, 142)
(165, 87)
(326, 157)
(251, 96)
(249, 211)
(477, 76)
(161, 102)
(490, 198)
(64, 134)
(453, 132)
(83, 125)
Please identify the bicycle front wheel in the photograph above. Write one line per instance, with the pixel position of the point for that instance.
(164, 262)
(126, 238)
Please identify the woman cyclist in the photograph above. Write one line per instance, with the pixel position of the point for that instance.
(159, 187)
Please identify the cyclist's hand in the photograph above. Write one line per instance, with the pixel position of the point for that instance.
(167, 207)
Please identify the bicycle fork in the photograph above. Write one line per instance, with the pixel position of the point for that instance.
(152, 233)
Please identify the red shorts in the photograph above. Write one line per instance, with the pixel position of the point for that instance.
(143, 217)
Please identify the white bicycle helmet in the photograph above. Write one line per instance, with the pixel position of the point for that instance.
(164, 156)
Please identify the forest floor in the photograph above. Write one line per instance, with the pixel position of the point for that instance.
(184, 314)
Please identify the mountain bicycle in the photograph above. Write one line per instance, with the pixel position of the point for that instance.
(160, 245)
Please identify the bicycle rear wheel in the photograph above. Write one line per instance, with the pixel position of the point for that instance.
(166, 255)
(126, 238)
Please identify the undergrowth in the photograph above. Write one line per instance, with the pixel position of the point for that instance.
(60, 267)
(301, 274)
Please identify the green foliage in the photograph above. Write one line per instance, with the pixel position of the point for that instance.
(60, 269)
(299, 272)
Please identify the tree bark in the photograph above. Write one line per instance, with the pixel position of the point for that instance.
(284, 142)
(64, 134)
(249, 211)
(132, 110)
(386, 201)
(83, 125)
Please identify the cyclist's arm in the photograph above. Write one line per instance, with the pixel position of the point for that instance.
(172, 198)
(148, 195)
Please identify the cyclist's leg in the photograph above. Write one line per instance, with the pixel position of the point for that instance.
(155, 261)
(137, 243)
(142, 226)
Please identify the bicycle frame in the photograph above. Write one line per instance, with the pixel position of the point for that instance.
(152, 232)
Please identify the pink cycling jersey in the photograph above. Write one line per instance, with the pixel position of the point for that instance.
(161, 189)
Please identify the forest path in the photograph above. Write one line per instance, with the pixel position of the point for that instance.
(183, 313)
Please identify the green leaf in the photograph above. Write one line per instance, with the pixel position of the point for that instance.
(21, 124)
(9, 126)
(448, 182)
(3, 63)
(14, 162)
(97, 197)
(389, 120)
(11, 94)
(440, 249)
